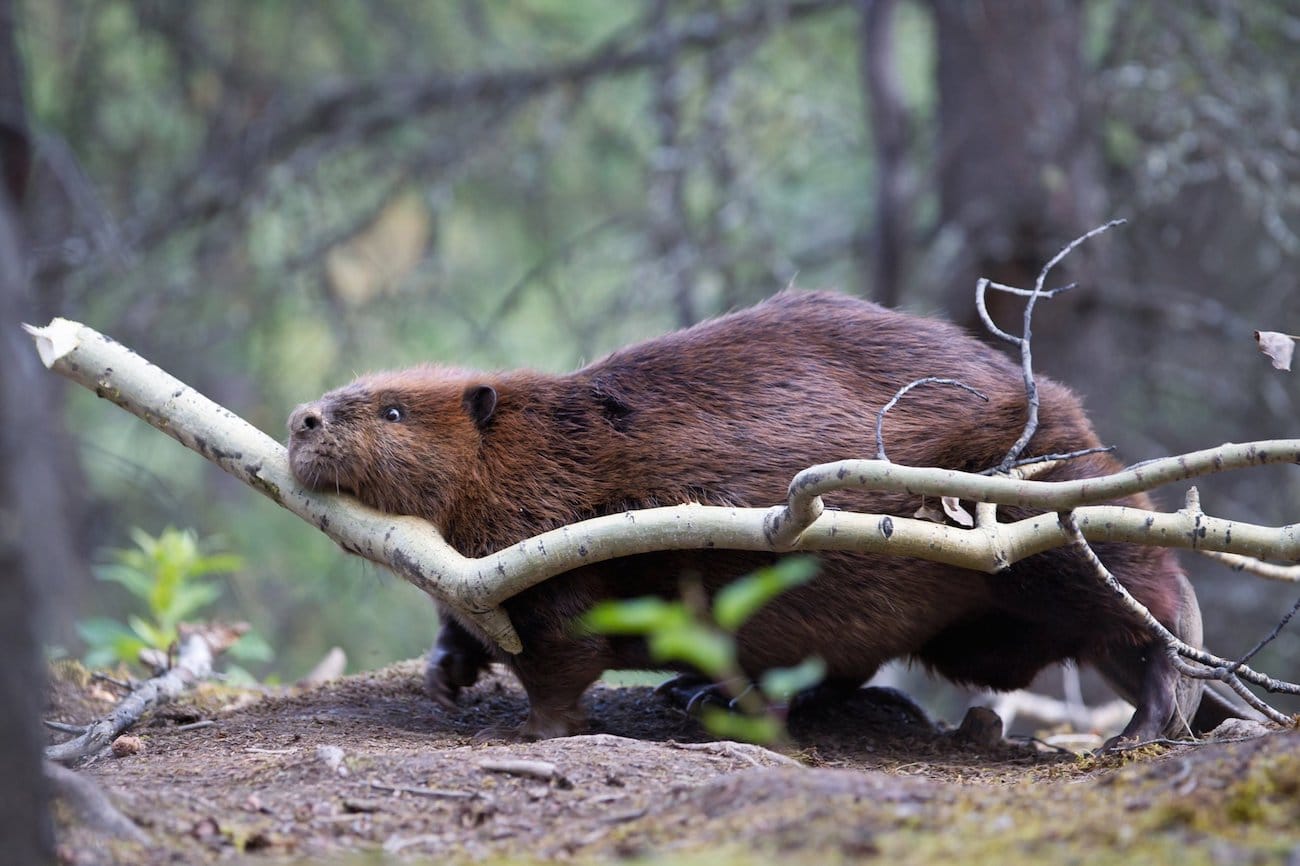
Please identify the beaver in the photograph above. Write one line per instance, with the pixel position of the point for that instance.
(726, 413)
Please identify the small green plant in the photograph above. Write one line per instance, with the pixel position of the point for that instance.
(687, 632)
(166, 576)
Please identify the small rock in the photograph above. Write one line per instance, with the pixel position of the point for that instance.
(1239, 729)
(981, 727)
(206, 830)
(127, 745)
(333, 758)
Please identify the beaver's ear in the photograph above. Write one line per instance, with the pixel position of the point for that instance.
(480, 401)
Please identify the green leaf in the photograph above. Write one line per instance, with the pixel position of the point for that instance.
(738, 601)
(707, 650)
(219, 563)
(144, 540)
(190, 598)
(152, 635)
(101, 631)
(734, 726)
(633, 616)
(781, 683)
(138, 583)
(108, 642)
(176, 546)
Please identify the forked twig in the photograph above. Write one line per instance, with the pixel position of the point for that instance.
(1023, 341)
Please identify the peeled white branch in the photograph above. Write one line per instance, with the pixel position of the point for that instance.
(1266, 570)
(1230, 672)
(475, 588)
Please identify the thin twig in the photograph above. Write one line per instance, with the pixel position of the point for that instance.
(416, 791)
(1051, 458)
(1069, 248)
(64, 727)
(981, 306)
(898, 395)
(1224, 675)
(113, 681)
(1024, 293)
(1216, 668)
(1025, 339)
(194, 726)
(543, 771)
(744, 751)
(1269, 638)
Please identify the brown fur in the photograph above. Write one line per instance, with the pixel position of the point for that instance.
(726, 413)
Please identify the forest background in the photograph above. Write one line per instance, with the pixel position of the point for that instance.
(268, 198)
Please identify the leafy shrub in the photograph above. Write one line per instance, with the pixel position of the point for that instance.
(687, 632)
(166, 576)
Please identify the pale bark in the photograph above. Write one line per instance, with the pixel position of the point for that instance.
(475, 588)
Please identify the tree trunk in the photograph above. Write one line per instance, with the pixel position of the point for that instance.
(24, 799)
(1018, 170)
(885, 271)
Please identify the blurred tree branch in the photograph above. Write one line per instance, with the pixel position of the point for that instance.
(344, 113)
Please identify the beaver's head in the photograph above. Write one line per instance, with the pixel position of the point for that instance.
(402, 442)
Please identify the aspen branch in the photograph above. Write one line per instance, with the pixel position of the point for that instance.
(1266, 570)
(1207, 665)
(417, 552)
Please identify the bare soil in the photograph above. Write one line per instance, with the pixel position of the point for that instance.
(366, 769)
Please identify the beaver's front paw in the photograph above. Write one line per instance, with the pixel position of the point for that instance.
(454, 664)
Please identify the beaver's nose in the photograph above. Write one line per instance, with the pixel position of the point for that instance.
(305, 419)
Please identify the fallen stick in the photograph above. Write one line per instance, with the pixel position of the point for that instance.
(543, 771)
(198, 647)
(91, 805)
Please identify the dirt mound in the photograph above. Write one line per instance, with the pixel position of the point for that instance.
(367, 763)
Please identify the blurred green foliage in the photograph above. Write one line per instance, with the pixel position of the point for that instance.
(684, 633)
(165, 576)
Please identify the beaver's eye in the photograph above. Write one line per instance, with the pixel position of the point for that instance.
(393, 413)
